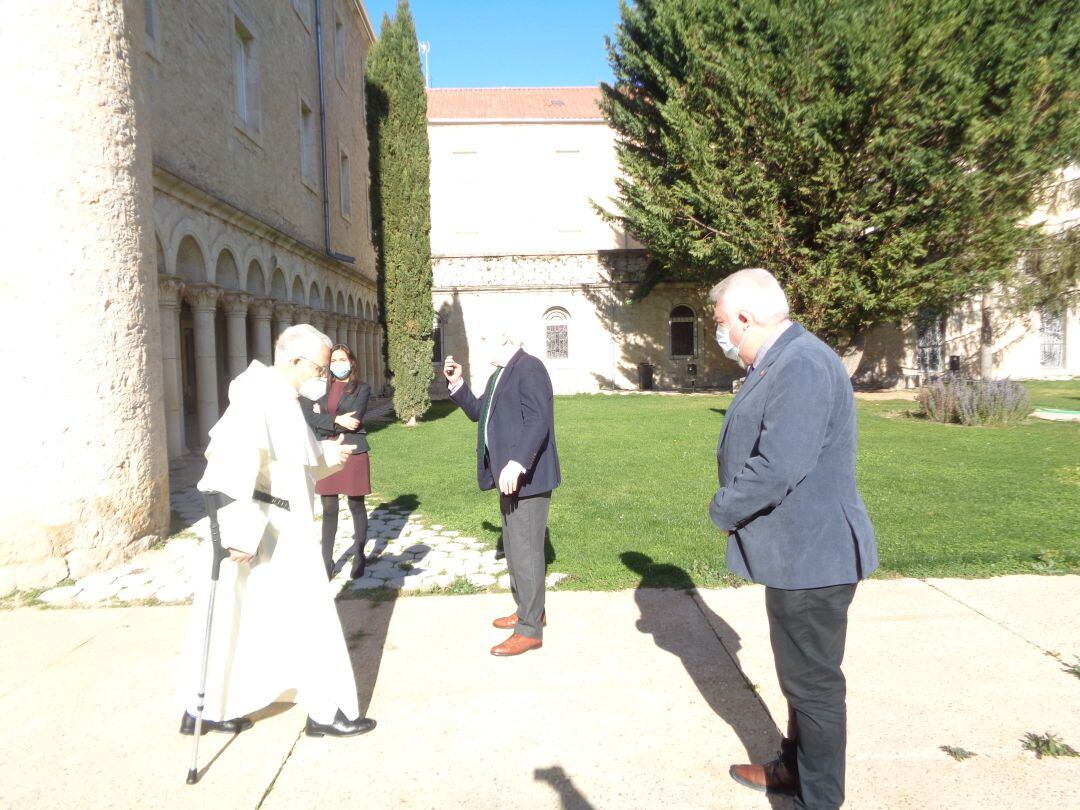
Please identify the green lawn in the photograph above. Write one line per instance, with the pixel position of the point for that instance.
(1065, 395)
(639, 471)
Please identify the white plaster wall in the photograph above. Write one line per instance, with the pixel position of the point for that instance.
(520, 188)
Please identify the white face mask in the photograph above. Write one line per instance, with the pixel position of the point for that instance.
(312, 388)
(730, 350)
(341, 369)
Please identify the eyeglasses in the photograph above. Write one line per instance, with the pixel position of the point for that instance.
(321, 371)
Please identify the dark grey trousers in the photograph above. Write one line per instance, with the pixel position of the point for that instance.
(524, 523)
(808, 629)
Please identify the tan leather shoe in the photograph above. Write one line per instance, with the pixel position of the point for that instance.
(516, 645)
(510, 622)
(772, 777)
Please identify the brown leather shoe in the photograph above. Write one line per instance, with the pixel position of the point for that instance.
(510, 622)
(772, 777)
(516, 645)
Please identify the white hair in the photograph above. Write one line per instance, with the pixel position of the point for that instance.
(301, 340)
(755, 290)
(500, 331)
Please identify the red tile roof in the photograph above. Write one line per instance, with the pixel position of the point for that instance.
(514, 104)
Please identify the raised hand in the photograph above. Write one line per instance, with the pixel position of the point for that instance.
(451, 370)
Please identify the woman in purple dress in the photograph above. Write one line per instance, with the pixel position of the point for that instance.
(340, 411)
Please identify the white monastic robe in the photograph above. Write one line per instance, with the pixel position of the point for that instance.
(276, 632)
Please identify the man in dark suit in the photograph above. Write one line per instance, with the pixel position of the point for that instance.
(515, 451)
(795, 522)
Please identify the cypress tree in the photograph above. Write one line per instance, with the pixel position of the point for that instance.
(401, 208)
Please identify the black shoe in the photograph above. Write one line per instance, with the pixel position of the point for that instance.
(359, 566)
(341, 727)
(234, 726)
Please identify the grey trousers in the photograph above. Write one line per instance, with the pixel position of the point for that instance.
(808, 629)
(524, 524)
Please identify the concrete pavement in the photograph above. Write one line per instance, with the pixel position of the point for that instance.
(639, 699)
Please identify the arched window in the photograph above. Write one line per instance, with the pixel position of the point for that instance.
(557, 333)
(681, 326)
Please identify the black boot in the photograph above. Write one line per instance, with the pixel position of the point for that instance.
(359, 565)
(341, 727)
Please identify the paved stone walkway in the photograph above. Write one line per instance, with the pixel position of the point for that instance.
(404, 554)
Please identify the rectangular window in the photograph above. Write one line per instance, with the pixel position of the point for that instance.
(303, 11)
(1052, 337)
(437, 350)
(150, 10)
(930, 342)
(307, 144)
(346, 187)
(558, 341)
(246, 74)
(339, 48)
(682, 338)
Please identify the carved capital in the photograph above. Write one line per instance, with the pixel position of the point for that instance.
(170, 289)
(202, 297)
(301, 314)
(261, 308)
(236, 303)
(284, 312)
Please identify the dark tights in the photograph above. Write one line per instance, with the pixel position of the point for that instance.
(329, 531)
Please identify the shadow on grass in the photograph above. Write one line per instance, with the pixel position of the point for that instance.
(714, 672)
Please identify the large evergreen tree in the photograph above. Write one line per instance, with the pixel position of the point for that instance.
(401, 208)
(879, 156)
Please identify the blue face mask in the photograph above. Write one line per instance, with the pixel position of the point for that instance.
(341, 369)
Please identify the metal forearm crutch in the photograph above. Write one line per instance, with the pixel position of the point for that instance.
(213, 501)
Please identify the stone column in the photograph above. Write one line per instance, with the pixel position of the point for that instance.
(86, 477)
(350, 334)
(303, 315)
(283, 317)
(317, 319)
(369, 355)
(341, 329)
(261, 310)
(169, 289)
(203, 300)
(236, 309)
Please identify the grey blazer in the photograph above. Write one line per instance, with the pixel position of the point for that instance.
(786, 463)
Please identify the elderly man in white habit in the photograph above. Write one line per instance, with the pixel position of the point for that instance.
(275, 634)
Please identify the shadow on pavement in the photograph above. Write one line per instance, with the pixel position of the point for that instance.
(365, 614)
(714, 676)
(561, 783)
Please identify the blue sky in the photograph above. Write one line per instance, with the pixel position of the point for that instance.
(511, 43)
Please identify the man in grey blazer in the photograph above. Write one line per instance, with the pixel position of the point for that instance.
(795, 522)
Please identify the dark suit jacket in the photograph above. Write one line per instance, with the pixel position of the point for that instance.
(786, 464)
(322, 423)
(521, 426)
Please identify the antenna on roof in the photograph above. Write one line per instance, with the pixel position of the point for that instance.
(425, 49)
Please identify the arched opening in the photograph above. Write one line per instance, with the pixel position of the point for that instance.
(682, 333)
(226, 274)
(279, 289)
(314, 297)
(557, 333)
(190, 264)
(256, 284)
(298, 292)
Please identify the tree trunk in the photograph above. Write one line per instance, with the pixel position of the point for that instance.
(986, 340)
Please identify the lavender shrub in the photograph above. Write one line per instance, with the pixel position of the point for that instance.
(953, 400)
